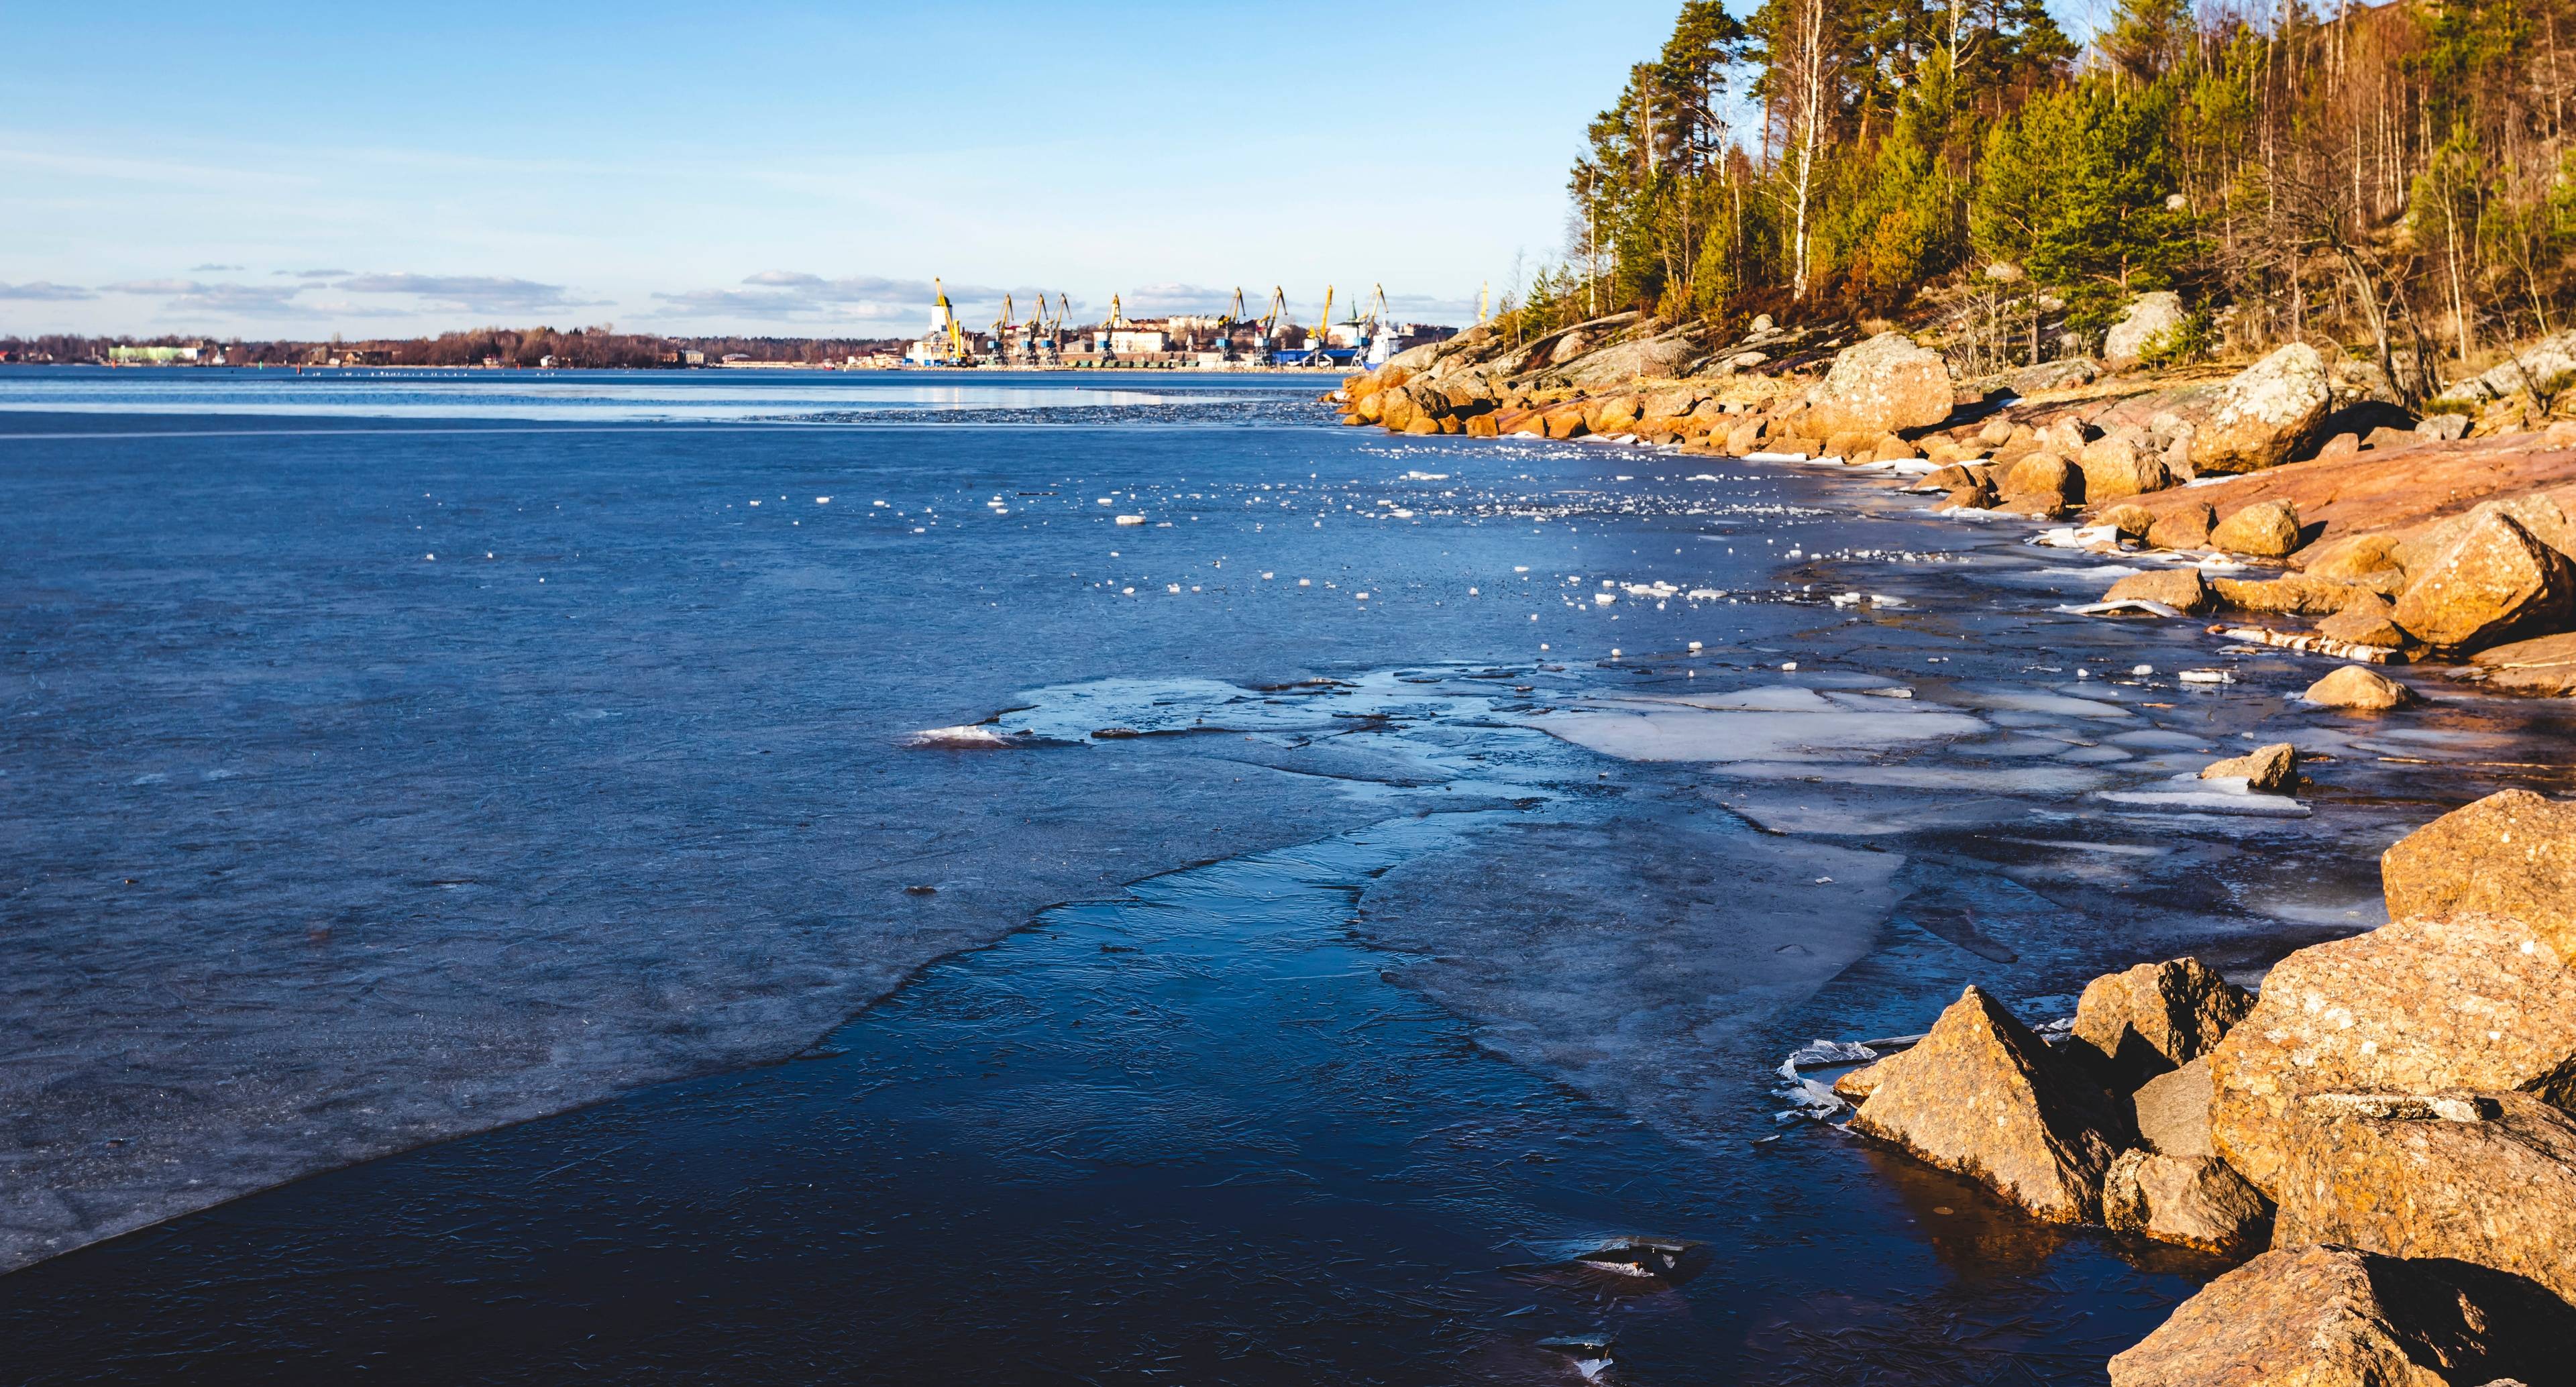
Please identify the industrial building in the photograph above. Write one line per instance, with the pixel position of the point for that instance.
(1232, 340)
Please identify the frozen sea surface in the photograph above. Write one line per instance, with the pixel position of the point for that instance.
(1404, 913)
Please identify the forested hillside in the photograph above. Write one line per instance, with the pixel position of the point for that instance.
(2397, 179)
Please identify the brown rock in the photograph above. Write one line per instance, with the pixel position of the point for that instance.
(2338, 1317)
(2367, 619)
(1983, 1096)
(2190, 1201)
(2544, 667)
(2038, 505)
(1395, 408)
(2065, 436)
(1858, 1084)
(2183, 589)
(1975, 495)
(2270, 770)
(1423, 423)
(2172, 1111)
(2156, 1016)
(2342, 445)
(2114, 467)
(1949, 478)
(1483, 426)
(2042, 473)
(2291, 594)
(1884, 384)
(2358, 686)
(1745, 437)
(2497, 582)
(2186, 526)
(2484, 1178)
(2511, 854)
(2129, 518)
(2355, 559)
(1565, 420)
(1615, 415)
(2451, 1002)
(2266, 415)
(2265, 529)
(2385, 439)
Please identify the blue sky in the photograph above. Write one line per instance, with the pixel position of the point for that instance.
(297, 170)
(291, 170)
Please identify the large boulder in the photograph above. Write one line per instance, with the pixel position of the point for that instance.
(2042, 473)
(2265, 529)
(2115, 467)
(2536, 366)
(2171, 1111)
(2266, 415)
(2358, 686)
(2155, 1017)
(1982, 1095)
(1885, 384)
(2185, 526)
(2269, 770)
(2484, 1178)
(2291, 594)
(2365, 618)
(2495, 584)
(2183, 589)
(2190, 1201)
(2337, 1317)
(2451, 1002)
(2149, 317)
(2511, 854)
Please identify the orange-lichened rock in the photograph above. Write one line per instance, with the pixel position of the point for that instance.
(1984, 1096)
(2464, 1001)
(2511, 854)
(2338, 1317)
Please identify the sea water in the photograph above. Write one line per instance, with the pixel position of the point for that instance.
(918, 922)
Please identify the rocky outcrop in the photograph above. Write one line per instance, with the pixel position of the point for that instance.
(2337, 1317)
(2190, 1201)
(1881, 386)
(2155, 1017)
(2150, 316)
(2357, 686)
(2266, 415)
(2511, 854)
(2182, 589)
(2484, 1178)
(2265, 529)
(2269, 770)
(2474, 1002)
(2495, 583)
(2534, 367)
(2543, 667)
(2291, 594)
(1982, 1095)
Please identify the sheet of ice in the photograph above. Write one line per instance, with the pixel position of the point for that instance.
(1678, 732)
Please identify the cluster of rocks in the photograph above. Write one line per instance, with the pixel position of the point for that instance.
(2385, 1133)
(2392, 540)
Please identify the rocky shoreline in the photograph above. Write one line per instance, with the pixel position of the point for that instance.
(2384, 1138)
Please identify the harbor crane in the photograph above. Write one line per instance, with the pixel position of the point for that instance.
(944, 316)
(1270, 321)
(1323, 326)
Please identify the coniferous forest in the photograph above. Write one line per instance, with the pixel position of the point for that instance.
(2396, 179)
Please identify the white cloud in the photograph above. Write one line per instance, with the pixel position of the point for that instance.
(211, 269)
(40, 291)
(473, 293)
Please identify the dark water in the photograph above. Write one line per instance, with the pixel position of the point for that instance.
(1373, 1005)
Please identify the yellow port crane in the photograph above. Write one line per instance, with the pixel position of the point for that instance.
(1324, 325)
(948, 319)
(1278, 310)
(1002, 331)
